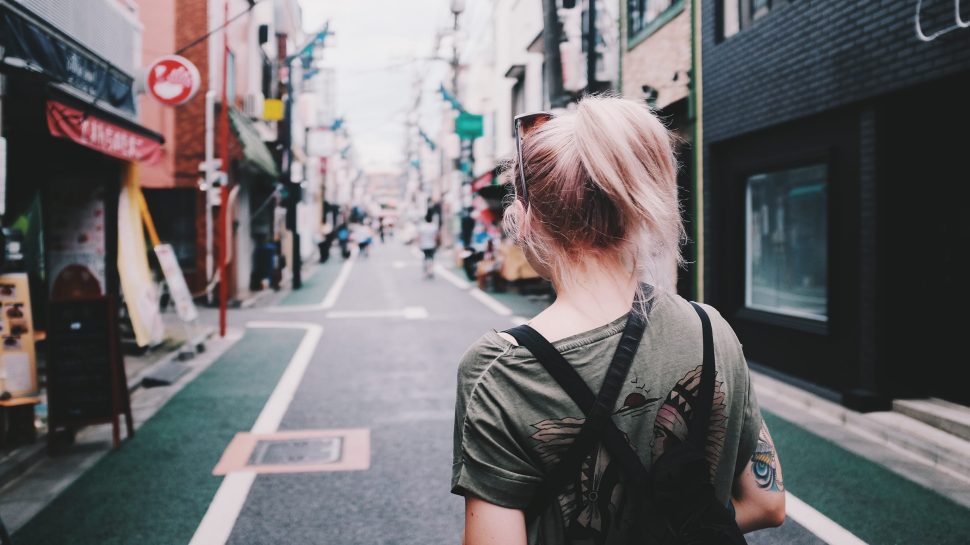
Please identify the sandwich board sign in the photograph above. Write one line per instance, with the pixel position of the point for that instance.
(178, 289)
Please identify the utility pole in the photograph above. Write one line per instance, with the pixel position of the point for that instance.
(592, 86)
(224, 189)
(550, 35)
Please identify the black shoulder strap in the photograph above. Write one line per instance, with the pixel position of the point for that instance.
(598, 409)
(701, 417)
(599, 425)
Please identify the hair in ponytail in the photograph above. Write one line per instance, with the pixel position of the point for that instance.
(603, 186)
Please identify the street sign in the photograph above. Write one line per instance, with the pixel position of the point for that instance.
(172, 80)
(272, 109)
(469, 125)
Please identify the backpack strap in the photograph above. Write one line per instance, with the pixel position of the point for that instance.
(701, 413)
(598, 408)
(599, 426)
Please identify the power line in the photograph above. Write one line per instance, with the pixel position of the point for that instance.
(229, 21)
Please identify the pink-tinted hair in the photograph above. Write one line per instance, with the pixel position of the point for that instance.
(602, 186)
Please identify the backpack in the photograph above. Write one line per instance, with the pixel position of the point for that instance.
(674, 502)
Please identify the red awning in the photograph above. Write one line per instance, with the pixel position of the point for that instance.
(91, 131)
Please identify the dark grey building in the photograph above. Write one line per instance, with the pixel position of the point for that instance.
(835, 186)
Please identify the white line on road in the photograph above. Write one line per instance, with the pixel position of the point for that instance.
(451, 277)
(332, 294)
(220, 517)
(490, 302)
(823, 527)
(408, 313)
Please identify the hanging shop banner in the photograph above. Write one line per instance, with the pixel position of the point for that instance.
(93, 132)
(42, 47)
(172, 80)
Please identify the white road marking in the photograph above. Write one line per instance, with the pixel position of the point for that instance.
(825, 528)
(332, 294)
(490, 302)
(338, 286)
(399, 264)
(451, 277)
(222, 513)
(408, 313)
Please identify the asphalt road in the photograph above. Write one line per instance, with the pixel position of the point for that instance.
(386, 362)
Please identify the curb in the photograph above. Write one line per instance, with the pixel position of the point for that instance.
(929, 445)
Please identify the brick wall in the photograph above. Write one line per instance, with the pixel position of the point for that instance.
(655, 60)
(808, 57)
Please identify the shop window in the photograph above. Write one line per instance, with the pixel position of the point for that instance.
(645, 16)
(737, 15)
(786, 217)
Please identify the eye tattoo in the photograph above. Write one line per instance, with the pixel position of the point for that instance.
(764, 463)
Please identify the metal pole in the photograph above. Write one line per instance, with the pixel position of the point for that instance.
(224, 189)
(550, 34)
(293, 193)
(591, 83)
(210, 122)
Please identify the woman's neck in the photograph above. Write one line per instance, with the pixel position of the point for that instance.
(592, 296)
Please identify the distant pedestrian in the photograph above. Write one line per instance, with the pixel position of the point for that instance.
(363, 235)
(380, 228)
(429, 239)
(343, 239)
(673, 448)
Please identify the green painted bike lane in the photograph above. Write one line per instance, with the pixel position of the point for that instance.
(156, 488)
(865, 498)
(314, 287)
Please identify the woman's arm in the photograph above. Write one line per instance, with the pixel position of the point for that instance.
(487, 524)
(759, 491)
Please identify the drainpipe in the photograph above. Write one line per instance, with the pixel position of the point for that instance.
(209, 171)
(696, 113)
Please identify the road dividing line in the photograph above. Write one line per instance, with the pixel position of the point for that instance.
(220, 517)
(338, 285)
(823, 527)
(451, 277)
(332, 294)
(408, 313)
(490, 302)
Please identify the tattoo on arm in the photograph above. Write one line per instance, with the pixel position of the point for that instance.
(764, 463)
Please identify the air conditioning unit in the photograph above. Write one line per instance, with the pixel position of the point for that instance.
(253, 105)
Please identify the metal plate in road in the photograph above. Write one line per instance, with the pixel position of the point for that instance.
(313, 450)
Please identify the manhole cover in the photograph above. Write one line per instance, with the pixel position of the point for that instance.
(308, 451)
(297, 451)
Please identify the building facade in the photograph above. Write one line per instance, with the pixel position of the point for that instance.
(833, 231)
(656, 68)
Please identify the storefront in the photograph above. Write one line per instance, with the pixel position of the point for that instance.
(72, 150)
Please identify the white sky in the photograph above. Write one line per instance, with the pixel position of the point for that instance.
(372, 51)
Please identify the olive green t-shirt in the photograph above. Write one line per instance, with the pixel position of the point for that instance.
(513, 421)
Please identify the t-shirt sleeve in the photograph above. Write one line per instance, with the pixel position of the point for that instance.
(489, 462)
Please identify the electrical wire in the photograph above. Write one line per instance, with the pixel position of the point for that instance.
(204, 37)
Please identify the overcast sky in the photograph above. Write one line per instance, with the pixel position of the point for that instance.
(373, 49)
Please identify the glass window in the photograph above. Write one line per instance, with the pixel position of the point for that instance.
(640, 13)
(787, 242)
(737, 15)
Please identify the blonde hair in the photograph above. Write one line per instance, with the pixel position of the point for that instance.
(602, 185)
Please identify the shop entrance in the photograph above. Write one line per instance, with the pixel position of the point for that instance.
(924, 239)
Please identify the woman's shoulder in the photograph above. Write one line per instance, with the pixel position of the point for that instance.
(676, 319)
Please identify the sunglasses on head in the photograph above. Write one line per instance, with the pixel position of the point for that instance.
(525, 125)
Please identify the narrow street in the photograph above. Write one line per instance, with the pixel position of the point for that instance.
(369, 345)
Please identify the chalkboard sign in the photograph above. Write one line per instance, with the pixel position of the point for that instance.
(85, 376)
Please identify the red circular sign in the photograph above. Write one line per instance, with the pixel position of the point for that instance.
(172, 80)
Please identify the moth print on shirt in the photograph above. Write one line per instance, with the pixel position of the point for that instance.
(590, 505)
(675, 412)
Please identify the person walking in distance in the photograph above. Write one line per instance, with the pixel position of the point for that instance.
(428, 240)
(622, 413)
